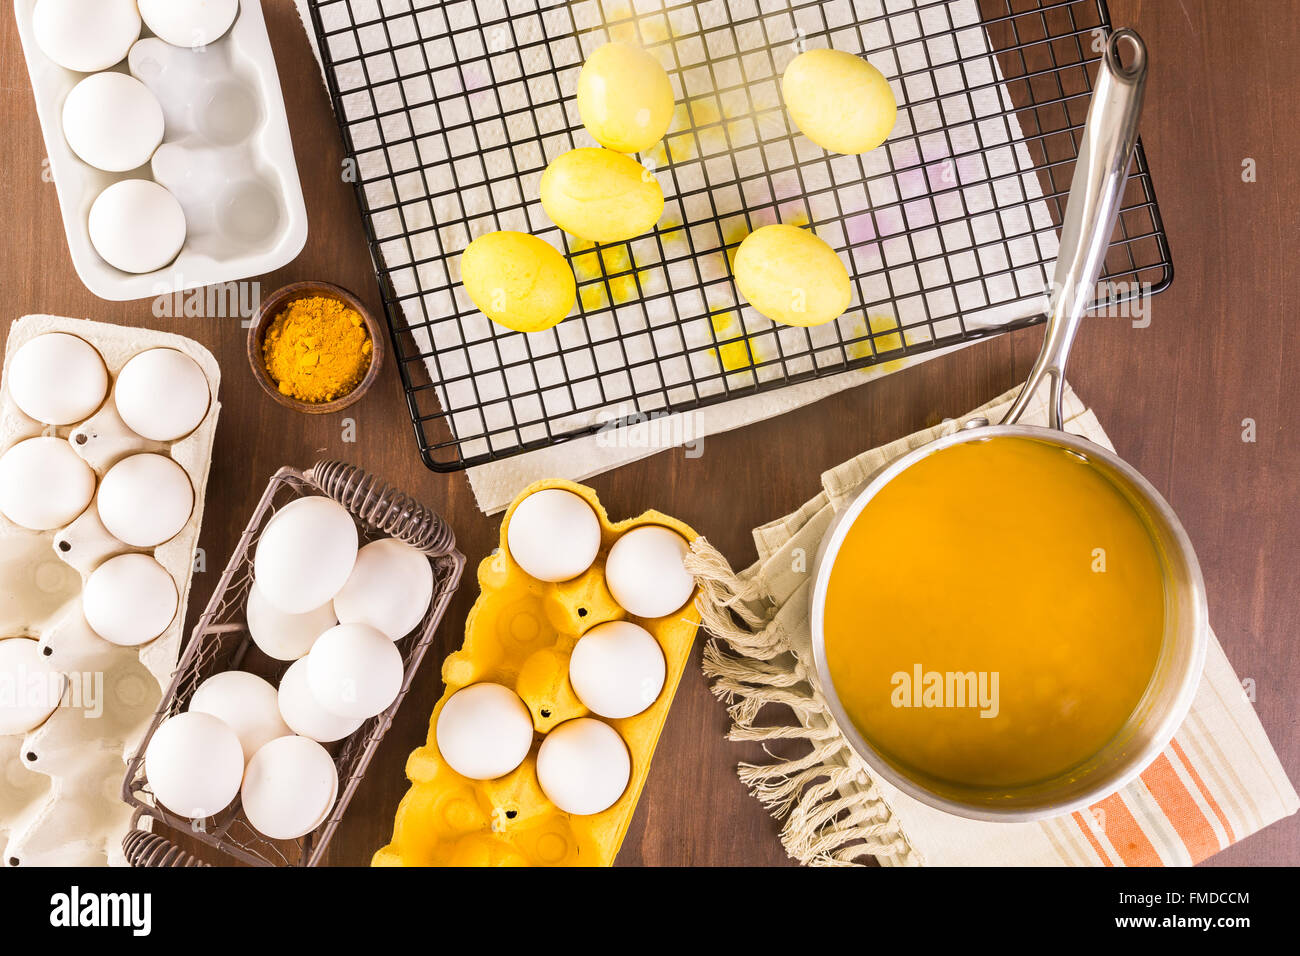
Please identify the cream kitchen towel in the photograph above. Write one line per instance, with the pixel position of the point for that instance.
(1218, 781)
(960, 227)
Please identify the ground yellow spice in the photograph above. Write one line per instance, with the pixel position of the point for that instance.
(318, 349)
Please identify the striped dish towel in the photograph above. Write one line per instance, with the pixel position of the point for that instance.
(1218, 781)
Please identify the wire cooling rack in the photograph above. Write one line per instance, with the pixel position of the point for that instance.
(450, 112)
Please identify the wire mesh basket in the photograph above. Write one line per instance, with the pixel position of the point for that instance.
(221, 642)
(451, 111)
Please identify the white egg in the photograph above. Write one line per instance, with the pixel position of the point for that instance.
(30, 689)
(285, 637)
(246, 703)
(304, 716)
(305, 554)
(145, 500)
(129, 600)
(390, 588)
(57, 379)
(137, 226)
(583, 766)
(43, 484)
(189, 23)
(162, 394)
(194, 765)
(354, 670)
(86, 35)
(617, 669)
(289, 788)
(553, 535)
(113, 121)
(484, 731)
(646, 573)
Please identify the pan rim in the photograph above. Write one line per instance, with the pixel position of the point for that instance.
(1180, 691)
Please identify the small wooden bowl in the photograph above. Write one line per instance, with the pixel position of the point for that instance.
(273, 305)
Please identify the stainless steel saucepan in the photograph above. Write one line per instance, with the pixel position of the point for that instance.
(1095, 197)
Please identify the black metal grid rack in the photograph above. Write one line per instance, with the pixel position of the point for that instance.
(450, 111)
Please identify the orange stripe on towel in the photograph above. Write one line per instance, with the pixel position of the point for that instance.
(1185, 815)
(1205, 791)
(1125, 833)
(1082, 821)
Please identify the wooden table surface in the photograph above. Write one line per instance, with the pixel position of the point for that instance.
(1171, 396)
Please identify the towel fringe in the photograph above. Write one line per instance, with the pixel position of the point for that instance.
(747, 701)
(779, 792)
(718, 663)
(782, 732)
(764, 645)
(721, 587)
(833, 813)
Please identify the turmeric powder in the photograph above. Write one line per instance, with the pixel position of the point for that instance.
(318, 349)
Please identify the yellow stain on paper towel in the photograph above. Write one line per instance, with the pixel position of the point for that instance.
(689, 118)
(671, 232)
(699, 120)
(611, 263)
(739, 354)
(887, 336)
(627, 27)
(732, 237)
(658, 155)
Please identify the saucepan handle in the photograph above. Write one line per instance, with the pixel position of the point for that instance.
(1096, 194)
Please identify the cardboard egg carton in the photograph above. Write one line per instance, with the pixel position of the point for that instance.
(521, 633)
(60, 801)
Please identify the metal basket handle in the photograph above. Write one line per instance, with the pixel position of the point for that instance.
(384, 507)
(145, 849)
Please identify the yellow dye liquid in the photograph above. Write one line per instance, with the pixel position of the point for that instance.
(1006, 578)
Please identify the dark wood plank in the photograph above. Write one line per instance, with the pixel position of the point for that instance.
(1172, 397)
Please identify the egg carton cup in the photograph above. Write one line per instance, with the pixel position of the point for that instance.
(59, 803)
(221, 642)
(521, 633)
(226, 155)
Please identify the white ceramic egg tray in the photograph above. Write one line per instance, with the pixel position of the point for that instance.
(60, 800)
(226, 155)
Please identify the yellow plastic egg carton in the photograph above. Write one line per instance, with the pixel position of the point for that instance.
(520, 633)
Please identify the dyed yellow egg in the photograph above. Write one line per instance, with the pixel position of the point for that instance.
(600, 195)
(624, 98)
(791, 276)
(518, 281)
(839, 101)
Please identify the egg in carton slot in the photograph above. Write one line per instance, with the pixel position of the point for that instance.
(521, 634)
(73, 704)
(188, 98)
